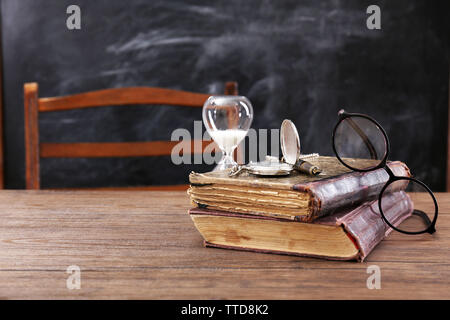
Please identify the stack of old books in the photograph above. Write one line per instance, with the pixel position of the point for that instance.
(333, 215)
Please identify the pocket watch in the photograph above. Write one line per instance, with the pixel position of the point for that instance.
(292, 159)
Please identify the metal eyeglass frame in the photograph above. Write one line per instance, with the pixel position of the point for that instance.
(383, 164)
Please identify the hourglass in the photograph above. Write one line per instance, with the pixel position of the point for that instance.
(227, 119)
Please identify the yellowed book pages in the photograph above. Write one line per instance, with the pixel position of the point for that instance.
(295, 197)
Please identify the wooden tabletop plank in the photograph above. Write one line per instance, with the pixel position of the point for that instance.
(143, 245)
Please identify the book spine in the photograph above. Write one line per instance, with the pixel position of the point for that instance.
(365, 225)
(347, 190)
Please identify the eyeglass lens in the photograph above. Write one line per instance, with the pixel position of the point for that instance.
(360, 138)
(424, 206)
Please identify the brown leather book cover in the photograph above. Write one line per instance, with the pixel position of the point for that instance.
(363, 225)
(298, 196)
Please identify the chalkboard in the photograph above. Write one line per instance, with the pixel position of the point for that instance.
(301, 60)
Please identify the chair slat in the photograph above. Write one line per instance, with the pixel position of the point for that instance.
(123, 96)
(119, 149)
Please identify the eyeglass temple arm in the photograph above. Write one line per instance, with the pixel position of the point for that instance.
(369, 145)
(422, 215)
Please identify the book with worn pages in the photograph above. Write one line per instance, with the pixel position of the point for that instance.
(298, 197)
(333, 215)
(350, 234)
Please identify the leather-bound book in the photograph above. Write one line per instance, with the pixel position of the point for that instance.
(347, 235)
(298, 197)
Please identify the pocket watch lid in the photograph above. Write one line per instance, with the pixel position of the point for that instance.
(290, 142)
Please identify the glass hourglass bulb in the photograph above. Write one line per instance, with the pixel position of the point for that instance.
(227, 119)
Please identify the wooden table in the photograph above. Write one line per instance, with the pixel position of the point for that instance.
(143, 245)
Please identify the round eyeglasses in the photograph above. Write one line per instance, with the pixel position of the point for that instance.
(358, 136)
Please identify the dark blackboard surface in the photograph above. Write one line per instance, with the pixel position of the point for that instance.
(302, 60)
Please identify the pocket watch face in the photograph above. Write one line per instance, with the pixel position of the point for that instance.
(270, 168)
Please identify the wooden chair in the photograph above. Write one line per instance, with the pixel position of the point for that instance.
(34, 150)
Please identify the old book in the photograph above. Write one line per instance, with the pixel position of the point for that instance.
(295, 197)
(348, 235)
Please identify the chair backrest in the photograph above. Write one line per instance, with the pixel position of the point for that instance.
(35, 150)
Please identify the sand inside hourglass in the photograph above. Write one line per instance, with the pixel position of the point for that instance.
(228, 139)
